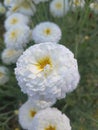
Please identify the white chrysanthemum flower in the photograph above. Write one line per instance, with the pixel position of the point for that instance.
(94, 7)
(50, 119)
(77, 3)
(38, 1)
(26, 8)
(4, 77)
(46, 32)
(18, 36)
(7, 3)
(59, 8)
(10, 56)
(27, 112)
(15, 19)
(48, 70)
(2, 9)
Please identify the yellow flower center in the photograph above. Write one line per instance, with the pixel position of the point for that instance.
(76, 2)
(47, 31)
(10, 52)
(1, 74)
(32, 113)
(13, 34)
(50, 128)
(14, 21)
(58, 5)
(42, 63)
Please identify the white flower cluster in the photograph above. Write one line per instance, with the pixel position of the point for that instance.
(46, 71)
(18, 32)
(31, 116)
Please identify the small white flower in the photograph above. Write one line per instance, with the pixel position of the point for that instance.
(38, 1)
(18, 36)
(46, 32)
(26, 8)
(27, 112)
(10, 56)
(77, 3)
(59, 8)
(7, 3)
(4, 77)
(50, 119)
(2, 9)
(15, 19)
(94, 7)
(47, 70)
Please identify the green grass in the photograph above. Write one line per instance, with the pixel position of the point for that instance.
(80, 35)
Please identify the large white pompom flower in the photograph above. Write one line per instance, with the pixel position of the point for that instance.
(4, 76)
(50, 119)
(59, 8)
(48, 70)
(10, 56)
(46, 32)
(17, 37)
(15, 19)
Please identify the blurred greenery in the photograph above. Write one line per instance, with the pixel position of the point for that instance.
(80, 35)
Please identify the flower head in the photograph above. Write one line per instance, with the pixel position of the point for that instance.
(50, 119)
(94, 7)
(59, 8)
(16, 19)
(46, 32)
(3, 75)
(77, 3)
(2, 9)
(7, 3)
(47, 70)
(18, 36)
(24, 7)
(10, 56)
(27, 112)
